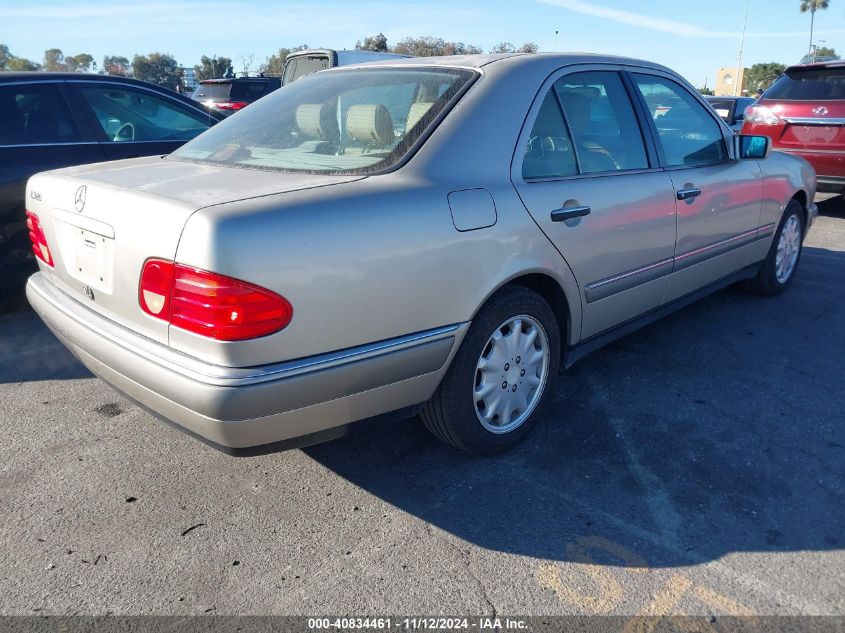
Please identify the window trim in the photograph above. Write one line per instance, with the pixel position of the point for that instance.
(534, 109)
(643, 106)
(76, 85)
(80, 122)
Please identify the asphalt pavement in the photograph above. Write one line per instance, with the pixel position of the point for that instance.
(696, 466)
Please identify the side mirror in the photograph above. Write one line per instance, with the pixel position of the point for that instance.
(752, 147)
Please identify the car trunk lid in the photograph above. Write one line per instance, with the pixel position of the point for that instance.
(102, 222)
(817, 125)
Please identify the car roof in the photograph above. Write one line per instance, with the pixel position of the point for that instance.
(510, 60)
(838, 63)
(58, 76)
(229, 80)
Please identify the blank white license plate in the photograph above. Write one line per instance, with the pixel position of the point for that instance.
(93, 261)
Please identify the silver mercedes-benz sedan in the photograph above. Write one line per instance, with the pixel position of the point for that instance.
(437, 234)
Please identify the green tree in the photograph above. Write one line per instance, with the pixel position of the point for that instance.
(21, 63)
(275, 64)
(377, 43)
(821, 53)
(503, 47)
(54, 60)
(157, 68)
(427, 46)
(761, 76)
(11, 62)
(115, 65)
(825, 51)
(79, 63)
(811, 6)
(212, 67)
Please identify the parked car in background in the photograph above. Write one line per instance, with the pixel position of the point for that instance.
(803, 113)
(227, 96)
(434, 233)
(305, 62)
(731, 109)
(50, 120)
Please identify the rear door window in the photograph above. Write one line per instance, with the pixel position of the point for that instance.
(602, 121)
(35, 114)
(809, 85)
(129, 114)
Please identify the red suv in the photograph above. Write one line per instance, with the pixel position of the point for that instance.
(804, 114)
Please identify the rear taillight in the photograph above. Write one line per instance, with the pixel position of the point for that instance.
(231, 105)
(38, 239)
(209, 304)
(761, 114)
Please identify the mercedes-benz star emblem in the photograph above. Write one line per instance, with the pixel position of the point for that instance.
(79, 198)
(820, 111)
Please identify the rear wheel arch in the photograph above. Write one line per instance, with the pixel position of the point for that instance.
(551, 290)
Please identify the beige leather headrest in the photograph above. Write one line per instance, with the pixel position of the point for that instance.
(370, 123)
(316, 121)
(417, 112)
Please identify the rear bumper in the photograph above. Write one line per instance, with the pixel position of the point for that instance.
(246, 407)
(829, 166)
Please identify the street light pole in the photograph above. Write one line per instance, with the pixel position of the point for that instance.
(738, 79)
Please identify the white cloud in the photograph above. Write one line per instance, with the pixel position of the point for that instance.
(673, 27)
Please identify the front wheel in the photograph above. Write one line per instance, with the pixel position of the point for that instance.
(778, 269)
(490, 397)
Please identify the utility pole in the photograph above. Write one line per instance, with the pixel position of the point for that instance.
(738, 79)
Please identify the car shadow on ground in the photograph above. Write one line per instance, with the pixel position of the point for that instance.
(716, 430)
(832, 207)
(29, 351)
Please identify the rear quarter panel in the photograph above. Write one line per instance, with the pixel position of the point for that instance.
(784, 177)
(360, 262)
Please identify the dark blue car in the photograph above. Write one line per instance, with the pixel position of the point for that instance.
(52, 120)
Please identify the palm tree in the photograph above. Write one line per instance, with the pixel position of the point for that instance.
(812, 6)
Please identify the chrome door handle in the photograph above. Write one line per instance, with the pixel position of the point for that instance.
(567, 213)
(688, 194)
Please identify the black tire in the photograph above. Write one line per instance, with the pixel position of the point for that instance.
(766, 281)
(450, 414)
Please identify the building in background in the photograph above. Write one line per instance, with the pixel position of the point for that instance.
(189, 79)
(729, 82)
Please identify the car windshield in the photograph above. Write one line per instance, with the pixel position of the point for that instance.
(349, 121)
(809, 84)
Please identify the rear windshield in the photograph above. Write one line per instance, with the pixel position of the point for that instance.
(251, 89)
(804, 84)
(212, 91)
(345, 121)
(302, 65)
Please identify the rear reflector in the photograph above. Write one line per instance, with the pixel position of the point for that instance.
(38, 239)
(231, 105)
(209, 304)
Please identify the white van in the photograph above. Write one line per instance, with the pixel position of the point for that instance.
(303, 63)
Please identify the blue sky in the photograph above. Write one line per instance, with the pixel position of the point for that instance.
(694, 38)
